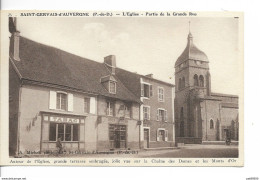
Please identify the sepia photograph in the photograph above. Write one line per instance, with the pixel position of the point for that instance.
(127, 86)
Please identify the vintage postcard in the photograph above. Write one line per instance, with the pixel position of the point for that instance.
(122, 88)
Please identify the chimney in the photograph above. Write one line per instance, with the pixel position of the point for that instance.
(149, 75)
(110, 62)
(15, 39)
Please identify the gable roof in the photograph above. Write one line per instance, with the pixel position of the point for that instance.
(47, 64)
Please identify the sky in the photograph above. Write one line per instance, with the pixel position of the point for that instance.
(145, 44)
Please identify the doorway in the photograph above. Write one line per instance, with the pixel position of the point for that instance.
(146, 138)
(117, 136)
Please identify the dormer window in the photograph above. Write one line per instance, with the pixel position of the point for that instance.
(109, 82)
(112, 87)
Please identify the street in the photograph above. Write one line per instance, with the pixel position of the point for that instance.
(187, 151)
(198, 151)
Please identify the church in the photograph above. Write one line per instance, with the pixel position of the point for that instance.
(200, 114)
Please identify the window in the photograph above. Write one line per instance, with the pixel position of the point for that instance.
(161, 115)
(87, 105)
(211, 124)
(112, 87)
(67, 132)
(61, 101)
(196, 80)
(52, 133)
(161, 94)
(201, 81)
(146, 112)
(146, 90)
(128, 110)
(162, 135)
(110, 108)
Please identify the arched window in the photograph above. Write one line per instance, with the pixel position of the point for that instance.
(211, 124)
(201, 81)
(183, 82)
(196, 80)
(179, 87)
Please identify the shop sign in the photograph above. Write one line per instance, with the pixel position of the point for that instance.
(64, 120)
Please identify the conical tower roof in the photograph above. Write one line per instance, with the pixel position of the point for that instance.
(191, 52)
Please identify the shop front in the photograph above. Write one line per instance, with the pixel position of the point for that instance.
(68, 127)
(117, 136)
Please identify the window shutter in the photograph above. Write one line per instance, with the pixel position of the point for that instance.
(142, 89)
(157, 135)
(70, 102)
(151, 90)
(53, 99)
(166, 135)
(92, 105)
(166, 118)
(157, 117)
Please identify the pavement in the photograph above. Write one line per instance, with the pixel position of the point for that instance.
(186, 151)
(200, 151)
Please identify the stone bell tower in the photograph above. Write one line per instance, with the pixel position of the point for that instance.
(192, 79)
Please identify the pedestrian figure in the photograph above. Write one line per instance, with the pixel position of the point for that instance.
(59, 145)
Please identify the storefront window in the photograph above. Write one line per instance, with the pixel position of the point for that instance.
(75, 132)
(67, 132)
(61, 131)
(52, 134)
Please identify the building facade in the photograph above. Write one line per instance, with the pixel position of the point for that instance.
(200, 114)
(156, 111)
(91, 106)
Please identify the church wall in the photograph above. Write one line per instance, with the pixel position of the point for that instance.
(180, 101)
(210, 111)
